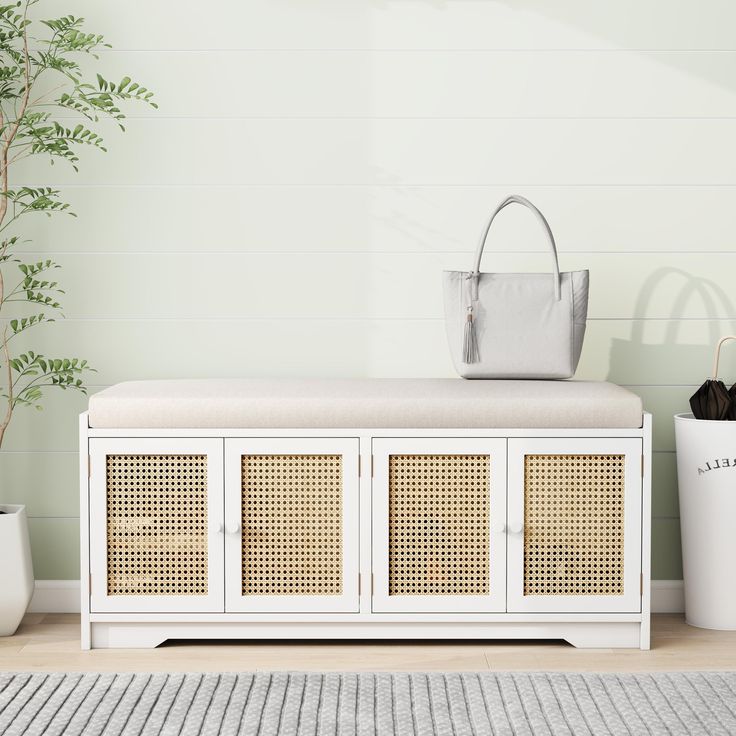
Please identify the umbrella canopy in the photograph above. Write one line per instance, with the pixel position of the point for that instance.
(713, 400)
(732, 411)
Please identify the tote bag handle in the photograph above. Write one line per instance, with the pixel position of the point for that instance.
(550, 239)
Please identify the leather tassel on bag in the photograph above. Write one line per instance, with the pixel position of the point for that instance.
(470, 340)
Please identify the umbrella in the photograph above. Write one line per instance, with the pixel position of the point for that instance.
(732, 411)
(713, 400)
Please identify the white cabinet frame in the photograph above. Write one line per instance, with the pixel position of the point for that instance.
(495, 601)
(142, 621)
(631, 600)
(100, 601)
(348, 448)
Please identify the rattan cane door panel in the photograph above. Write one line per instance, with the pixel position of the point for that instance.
(575, 524)
(292, 536)
(438, 531)
(435, 547)
(157, 536)
(156, 506)
(294, 504)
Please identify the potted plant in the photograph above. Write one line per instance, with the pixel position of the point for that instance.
(48, 107)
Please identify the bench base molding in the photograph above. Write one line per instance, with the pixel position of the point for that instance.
(147, 635)
(62, 596)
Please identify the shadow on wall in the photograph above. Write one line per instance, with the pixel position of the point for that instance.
(671, 354)
(405, 227)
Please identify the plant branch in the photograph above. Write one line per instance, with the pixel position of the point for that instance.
(31, 125)
(13, 130)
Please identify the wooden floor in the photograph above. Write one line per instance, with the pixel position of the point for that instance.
(51, 642)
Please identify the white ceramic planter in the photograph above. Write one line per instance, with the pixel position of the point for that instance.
(706, 472)
(16, 568)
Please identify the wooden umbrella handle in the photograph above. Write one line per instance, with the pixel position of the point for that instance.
(717, 356)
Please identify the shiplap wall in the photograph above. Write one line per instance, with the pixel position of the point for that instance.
(315, 165)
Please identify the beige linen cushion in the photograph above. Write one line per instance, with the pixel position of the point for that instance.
(363, 404)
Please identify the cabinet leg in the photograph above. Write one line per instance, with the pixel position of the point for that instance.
(128, 636)
(85, 635)
(604, 636)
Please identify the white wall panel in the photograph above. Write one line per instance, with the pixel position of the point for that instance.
(213, 219)
(638, 352)
(421, 83)
(400, 152)
(374, 285)
(433, 24)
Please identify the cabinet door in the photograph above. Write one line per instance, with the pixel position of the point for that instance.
(439, 508)
(574, 525)
(156, 509)
(291, 531)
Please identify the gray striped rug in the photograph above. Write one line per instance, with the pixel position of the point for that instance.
(375, 704)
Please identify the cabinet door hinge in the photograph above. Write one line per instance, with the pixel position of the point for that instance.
(371, 466)
(89, 466)
(642, 466)
(641, 585)
(89, 582)
(371, 584)
(360, 578)
(360, 457)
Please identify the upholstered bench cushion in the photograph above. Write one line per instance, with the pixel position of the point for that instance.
(363, 404)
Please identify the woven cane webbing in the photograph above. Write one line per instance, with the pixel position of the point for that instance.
(156, 524)
(574, 524)
(439, 510)
(292, 524)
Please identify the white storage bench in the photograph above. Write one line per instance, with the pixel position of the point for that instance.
(261, 509)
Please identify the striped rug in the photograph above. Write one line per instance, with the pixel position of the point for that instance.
(377, 704)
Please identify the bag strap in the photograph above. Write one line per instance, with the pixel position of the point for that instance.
(550, 238)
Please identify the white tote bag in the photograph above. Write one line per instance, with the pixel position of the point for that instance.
(516, 325)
